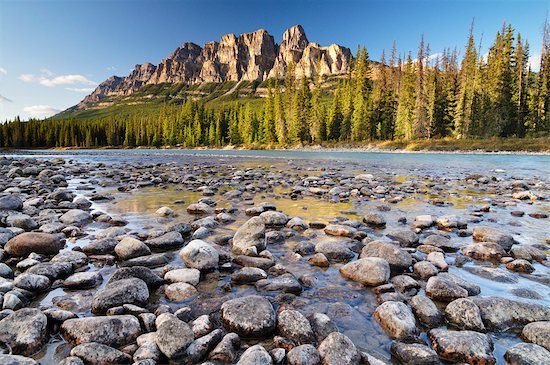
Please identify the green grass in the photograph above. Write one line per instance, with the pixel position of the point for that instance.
(493, 144)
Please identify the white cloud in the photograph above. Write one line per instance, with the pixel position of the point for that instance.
(60, 80)
(81, 89)
(26, 78)
(3, 71)
(40, 111)
(66, 80)
(111, 68)
(4, 99)
(534, 62)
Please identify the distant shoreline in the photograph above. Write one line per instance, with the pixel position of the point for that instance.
(311, 148)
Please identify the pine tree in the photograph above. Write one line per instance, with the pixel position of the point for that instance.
(421, 122)
(406, 103)
(269, 132)
(280, 121)
(467, 86)
(299, 128)
(335, 117)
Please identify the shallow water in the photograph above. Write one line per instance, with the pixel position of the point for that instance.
(349, 304)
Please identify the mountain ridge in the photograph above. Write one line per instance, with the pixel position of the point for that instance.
(252, 56)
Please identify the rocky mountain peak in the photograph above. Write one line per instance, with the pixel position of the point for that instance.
(250, 56)
(295, 38)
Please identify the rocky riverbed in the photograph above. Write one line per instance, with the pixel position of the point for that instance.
(216, 260)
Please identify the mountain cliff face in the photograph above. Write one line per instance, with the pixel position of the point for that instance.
(250, 57)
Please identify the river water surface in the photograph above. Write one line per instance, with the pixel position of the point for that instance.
(433, 183)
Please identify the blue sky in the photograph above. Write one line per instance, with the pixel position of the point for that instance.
(52, 53)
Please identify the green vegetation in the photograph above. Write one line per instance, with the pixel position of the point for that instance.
(491, 103)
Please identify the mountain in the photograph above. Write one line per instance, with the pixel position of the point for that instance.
(248, 57)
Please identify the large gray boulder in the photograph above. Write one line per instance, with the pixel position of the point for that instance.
(371, 271)
(399, 259)
(114, 331)
(397, 319)
(538, 332)
(250, 237)
(255, 355)
(24, 331)
(464, 314)
(126, 291)
(490, 234)
(130, 247)
(10, 202)
(199, 255)
(527, 354)
(100, 354)
(295, 326)
(173, 337)
(462, 346)
(337, 349)
(76, 217)
(250, 316)
(501, 313)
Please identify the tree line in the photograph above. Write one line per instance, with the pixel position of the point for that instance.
(396, 98)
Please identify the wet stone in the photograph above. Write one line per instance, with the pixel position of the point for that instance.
(250, 237)
(322, 325)
(42, 243)
(484, 251)
(414, 354)
(24, 331)
(489, 234)
(406, 238)
(125, 291)
(16, 360)
(189, 276)
(130, 247)
(337, 349)
(439, 241)
(52, 270)
(538, 332)
(371, 271)
(255, 355)
(286, 283)
(226, 350)
(177, 292)
(303, 355)
(444, 290)
(463, 346)
(199, 348)
(99, 354)
(502, 313)
(520, 265)
(248, 275)
(173, 337)
(399, 259)
(155, 260)
(250, 316)
(114, 331)
(83, 280)
(139, 272)
(32, 282)
(334, 249)
(397, 319)
(200, 255)
(166, 241)
(464, 314)
(374, 219)
(294, 326)
(527, 354)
